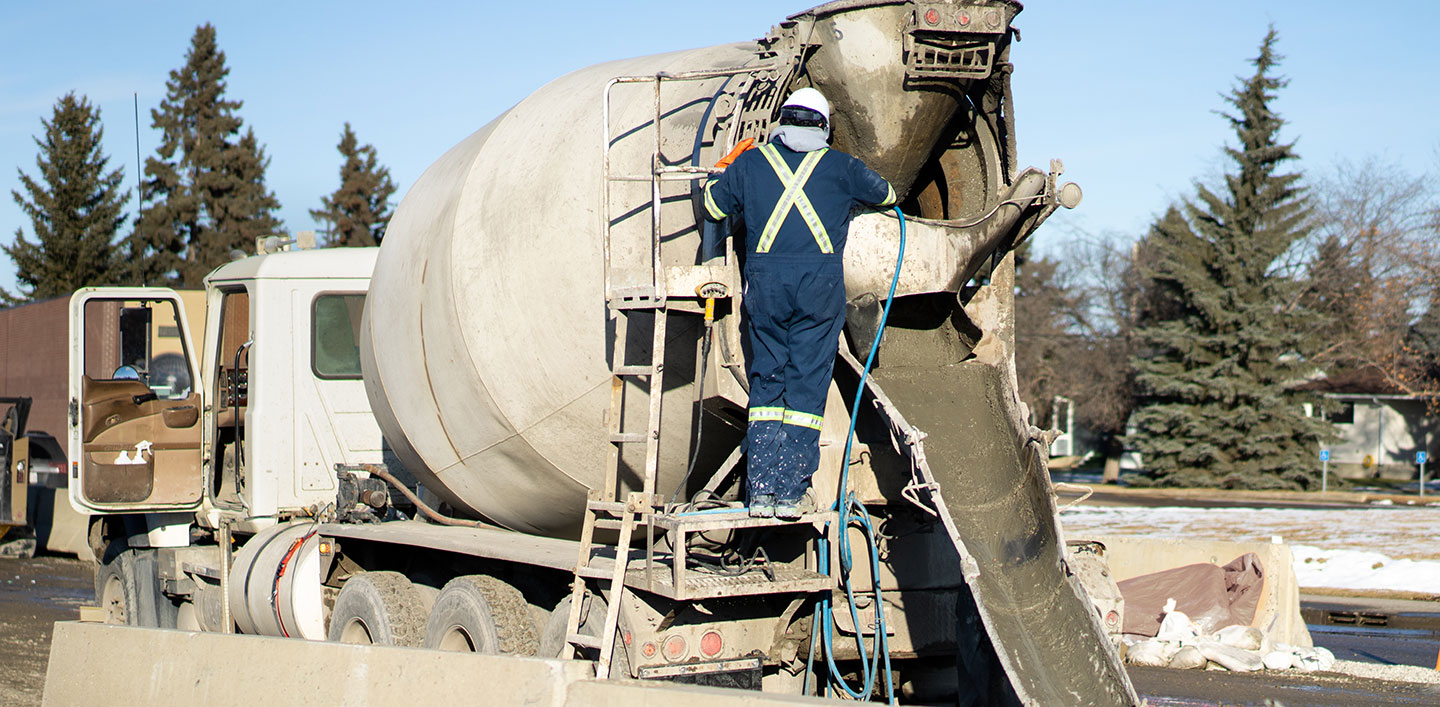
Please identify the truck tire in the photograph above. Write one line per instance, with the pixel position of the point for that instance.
(553, 645)
(128, 589)
(115, 589)
(481, 614)
(378, 608)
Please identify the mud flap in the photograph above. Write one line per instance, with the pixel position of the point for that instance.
(986, 479)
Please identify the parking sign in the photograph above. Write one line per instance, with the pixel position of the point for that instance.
(1325, 455)
(1419, 457)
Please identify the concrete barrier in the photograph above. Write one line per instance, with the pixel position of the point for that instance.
(97, 664)
(1278, 614)
(627, 693)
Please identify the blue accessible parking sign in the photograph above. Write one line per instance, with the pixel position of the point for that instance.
(1325, 455)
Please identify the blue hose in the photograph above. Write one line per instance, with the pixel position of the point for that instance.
(851, 511)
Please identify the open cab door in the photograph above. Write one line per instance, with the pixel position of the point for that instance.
(135, 408)
(14, 462)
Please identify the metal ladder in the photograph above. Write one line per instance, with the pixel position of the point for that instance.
(647, 293)
(603, 510)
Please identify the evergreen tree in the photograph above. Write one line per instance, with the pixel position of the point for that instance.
(1221, 343)
(205, 194)
(359, 210)
(1426, 330)
(75, 208)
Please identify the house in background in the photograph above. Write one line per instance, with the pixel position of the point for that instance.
(1380, 427)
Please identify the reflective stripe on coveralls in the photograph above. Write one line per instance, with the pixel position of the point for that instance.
(767, 414)
(787, 417)
(710, 206)
(794, 183)
(803, 419)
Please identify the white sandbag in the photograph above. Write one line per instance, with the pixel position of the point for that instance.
(1155, 654)
(1230, 657)
(1279, 660)
(1188, 658)
(1176, 626)
(1244, 637)
(1317, 658)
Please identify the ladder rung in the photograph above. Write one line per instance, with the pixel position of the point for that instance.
(627, 437)
(577, 639)
(606, 506)
(594, 573)
(637, 370)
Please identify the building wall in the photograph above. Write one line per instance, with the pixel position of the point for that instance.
(35, 356)
(1382, 438)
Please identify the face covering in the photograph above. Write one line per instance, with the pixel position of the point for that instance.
(801, 138)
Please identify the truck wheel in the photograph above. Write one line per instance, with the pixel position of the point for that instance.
(378, 608)
(553, 645)
(481, 614)
(128, 589)
(115, 589)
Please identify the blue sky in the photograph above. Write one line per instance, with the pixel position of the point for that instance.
(1123, 91)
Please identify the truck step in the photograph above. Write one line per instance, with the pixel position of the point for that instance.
(627, 437)
(702, 585)
(734, 519)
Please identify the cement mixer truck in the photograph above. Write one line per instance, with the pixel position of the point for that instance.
(515, 427)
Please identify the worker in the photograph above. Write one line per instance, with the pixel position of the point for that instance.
(796, 195)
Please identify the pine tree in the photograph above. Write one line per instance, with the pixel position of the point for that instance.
(75, 213)
(1221, 334)
(205, 194)
(359, 210)
(1426, 329)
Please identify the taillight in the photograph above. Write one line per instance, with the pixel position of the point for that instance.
(675, 648)
(710, 644)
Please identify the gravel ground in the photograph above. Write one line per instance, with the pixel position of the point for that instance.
(1393, 673)
(34, 594)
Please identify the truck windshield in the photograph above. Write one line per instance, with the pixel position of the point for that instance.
(335, 321)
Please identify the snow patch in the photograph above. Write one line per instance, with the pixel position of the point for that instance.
(1395, 548)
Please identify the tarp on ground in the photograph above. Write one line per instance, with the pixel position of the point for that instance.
(1213, 596)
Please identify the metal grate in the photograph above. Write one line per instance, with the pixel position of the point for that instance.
(947, 57)
(699, 585)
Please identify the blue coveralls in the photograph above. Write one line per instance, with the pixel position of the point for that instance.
(797, 214)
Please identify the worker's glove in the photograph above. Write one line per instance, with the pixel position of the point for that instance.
(744, 145)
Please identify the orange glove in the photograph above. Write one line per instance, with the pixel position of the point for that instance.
(744, 145)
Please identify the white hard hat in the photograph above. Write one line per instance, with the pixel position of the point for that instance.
(812, 99)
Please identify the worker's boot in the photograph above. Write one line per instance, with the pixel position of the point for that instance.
(762, 506)
(792, 510)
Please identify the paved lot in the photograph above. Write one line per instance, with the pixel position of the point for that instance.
(34, 594)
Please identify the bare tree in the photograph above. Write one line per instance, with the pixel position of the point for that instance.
(1373, 266)
(1073, 322)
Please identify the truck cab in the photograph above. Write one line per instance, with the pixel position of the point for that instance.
(165, 434)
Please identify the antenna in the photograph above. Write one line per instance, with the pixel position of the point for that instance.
(139, 175)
